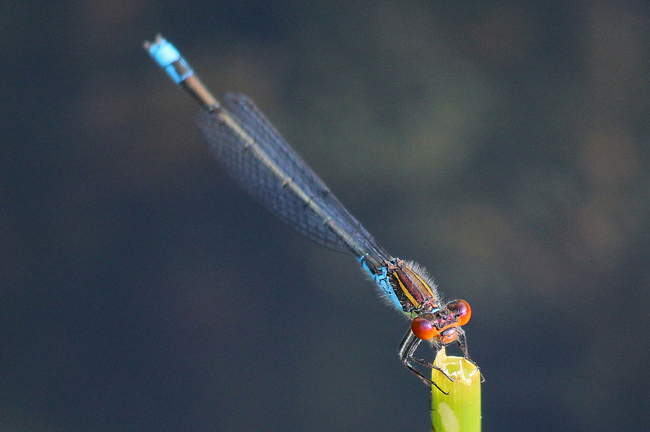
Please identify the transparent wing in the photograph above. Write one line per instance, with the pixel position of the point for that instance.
(263, 163)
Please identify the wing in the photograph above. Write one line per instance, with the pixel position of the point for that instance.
(262, 162)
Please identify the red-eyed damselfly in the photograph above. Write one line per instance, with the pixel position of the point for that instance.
(262, 163)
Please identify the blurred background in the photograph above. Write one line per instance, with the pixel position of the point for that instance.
(501, 144)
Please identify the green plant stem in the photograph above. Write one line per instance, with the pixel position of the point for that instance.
(460, 411)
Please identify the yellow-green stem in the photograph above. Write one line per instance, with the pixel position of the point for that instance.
(460, 411)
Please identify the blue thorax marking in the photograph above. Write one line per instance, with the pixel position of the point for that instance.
(381, 278)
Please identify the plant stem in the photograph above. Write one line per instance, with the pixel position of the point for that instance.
(460, 411)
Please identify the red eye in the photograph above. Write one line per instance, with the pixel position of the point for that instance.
(464, 312)
(423, 328)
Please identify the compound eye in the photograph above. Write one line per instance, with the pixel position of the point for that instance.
(423, 328)
(464, 312)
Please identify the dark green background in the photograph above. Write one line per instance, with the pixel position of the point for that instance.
(502, 144)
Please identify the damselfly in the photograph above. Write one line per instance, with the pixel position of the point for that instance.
(263, 163)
